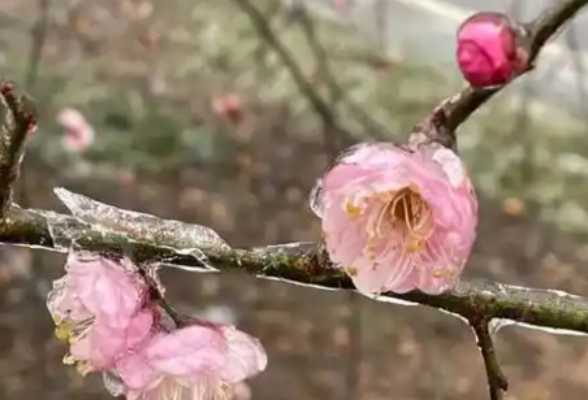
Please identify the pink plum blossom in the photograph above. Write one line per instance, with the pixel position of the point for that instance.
(489, 50)
(78, 133)
(398, 219)
(102, 308)
(200, 360)
(98, 308)
(95, 285)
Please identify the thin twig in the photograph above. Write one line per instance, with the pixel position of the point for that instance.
(336, 92)
(452, 112)
(497, 383)
(267, 33)
(38, 38)
(18, 121)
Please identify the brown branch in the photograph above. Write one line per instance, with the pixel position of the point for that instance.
(18, 121)
(452, 112)
(298, 263)
(497, 383)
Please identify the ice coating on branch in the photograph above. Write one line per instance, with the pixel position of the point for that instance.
(102, 307)
(490, 50)
(398, 219)
(181, 237)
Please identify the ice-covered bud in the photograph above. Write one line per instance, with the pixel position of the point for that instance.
(397, 219)
(490, 50)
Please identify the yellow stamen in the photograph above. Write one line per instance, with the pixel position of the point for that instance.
(448, 272)
(414, 244)
(352, 271)
(69, 360)
(83, 368)
(351, 209)
(63, 332)
(225, 387)
(407, 210)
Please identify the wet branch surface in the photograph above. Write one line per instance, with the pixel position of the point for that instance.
(299, 263)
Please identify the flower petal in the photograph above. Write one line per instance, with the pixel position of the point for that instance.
(193, 350)
(245, 356)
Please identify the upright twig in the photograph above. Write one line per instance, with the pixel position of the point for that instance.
(266, 32)
(336, 92)
(578, 63)
(17, 122)
(523, 122)
(38, 37)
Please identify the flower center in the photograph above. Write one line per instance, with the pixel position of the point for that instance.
(404, 210)
(414, 214)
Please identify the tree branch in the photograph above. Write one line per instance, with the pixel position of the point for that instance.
(267, 34)
(497, 383)
(298, 263)
(452, 112)
(17, 122)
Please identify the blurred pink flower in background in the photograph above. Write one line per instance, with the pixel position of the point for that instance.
(78, 133)
(340, 5)
(102, 308)
(228, 107)
(489, 50)
(398, 219)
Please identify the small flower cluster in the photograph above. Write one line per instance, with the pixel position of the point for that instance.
(102, 307)
(398, 218)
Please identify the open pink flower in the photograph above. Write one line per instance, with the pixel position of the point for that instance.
(98, 307)
(95, 285)
(194, 362)
(489, 50)
(78, 133)
(398, 219)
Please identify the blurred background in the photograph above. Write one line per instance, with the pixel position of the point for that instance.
(223, 112)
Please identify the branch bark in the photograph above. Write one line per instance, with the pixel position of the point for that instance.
(298, 263)
(17, 122)
(497, 383)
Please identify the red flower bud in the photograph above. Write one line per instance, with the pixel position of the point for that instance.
(490, 51)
